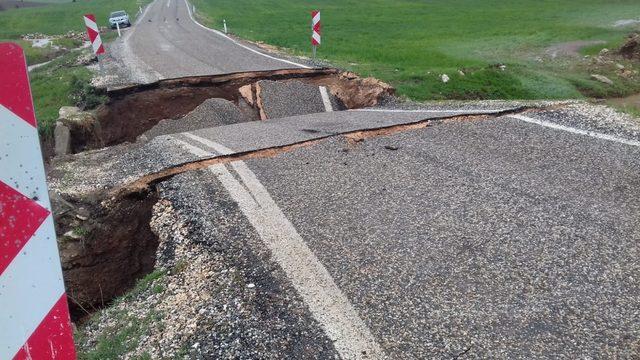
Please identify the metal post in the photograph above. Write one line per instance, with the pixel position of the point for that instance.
(314, 52)
(100, 65)
(118, 27)
(224, 22)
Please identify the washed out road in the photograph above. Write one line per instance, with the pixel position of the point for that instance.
(510, 237)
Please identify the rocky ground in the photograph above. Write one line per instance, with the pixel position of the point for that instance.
(214, 292)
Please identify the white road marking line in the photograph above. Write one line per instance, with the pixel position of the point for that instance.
(572, 130)
(239, 44)
(325, 99)
(329, 306)
(168, 3)
(469, 111)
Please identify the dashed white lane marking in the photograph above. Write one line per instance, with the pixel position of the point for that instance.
(329, 306)
(239, 44)
(168, 3)
(325, 99)
(572, 130)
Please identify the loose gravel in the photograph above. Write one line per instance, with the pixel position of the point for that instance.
(218, 296)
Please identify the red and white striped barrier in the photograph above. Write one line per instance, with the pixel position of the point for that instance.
(315, 26)
(34, 317)
(94, 34)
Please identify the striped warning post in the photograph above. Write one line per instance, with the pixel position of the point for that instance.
(94, 34)
(34, 317)
(315, 26)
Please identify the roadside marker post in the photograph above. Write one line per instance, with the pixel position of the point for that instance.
(224, 22)
(94, 37)
(315, 31)
(34, 316)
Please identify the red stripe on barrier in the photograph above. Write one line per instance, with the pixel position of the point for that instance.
(15, 93)
(92, 34)
(20, 219)
(52, 339)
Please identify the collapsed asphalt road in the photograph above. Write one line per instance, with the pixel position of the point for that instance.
(495, 238)
(437, 232)
(482, 236)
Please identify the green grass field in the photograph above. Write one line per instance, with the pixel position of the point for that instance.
(59, 17)
(409, 43)
(53, 84)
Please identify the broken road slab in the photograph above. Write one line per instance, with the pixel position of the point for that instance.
(290, 98)
(497, 238)
(483, 235)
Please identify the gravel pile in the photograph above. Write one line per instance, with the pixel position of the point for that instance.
(212, 112)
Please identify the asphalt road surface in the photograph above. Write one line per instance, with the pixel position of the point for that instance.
(512, 237)
(494, 238)
(171, 44)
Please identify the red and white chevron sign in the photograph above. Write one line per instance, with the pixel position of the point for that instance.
(94, 33)
(315, 26)
(34, 317)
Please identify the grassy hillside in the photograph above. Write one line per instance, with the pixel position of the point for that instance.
(411, 42)
(54, 84)
(59, 17)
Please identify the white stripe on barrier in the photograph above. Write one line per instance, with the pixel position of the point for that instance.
(96, 44)
(24, 173)
(32, 281)
(91, 24)
(316, 37)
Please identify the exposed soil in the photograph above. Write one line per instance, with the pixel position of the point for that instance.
(631, 47)
(105, 238)
(131, 111)
(104, 248)
(571, 48)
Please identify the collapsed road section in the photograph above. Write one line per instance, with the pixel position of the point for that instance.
(130, 112)
(214, 230)
(114, 212)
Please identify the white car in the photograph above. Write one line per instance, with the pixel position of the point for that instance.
(120, 18)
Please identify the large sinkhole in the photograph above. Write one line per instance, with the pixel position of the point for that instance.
(105, 248)
(107, 244)
(131, 111)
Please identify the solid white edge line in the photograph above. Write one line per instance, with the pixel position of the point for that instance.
(572, 130)
(237, 43)
(328, 305)
(469, 111)
(325, 99)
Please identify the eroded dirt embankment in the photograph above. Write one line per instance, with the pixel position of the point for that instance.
(105, 241)
(131, 111)
(104, 248)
